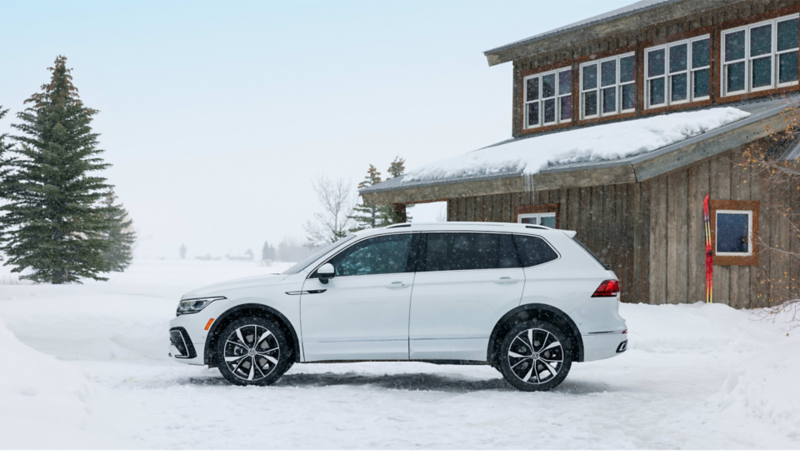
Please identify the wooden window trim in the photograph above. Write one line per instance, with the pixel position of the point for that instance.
(541, 208)
(689, 72)
(743, 205)
(599, 88)
(557, 97)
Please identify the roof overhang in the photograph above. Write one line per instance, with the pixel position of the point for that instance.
(764, 116)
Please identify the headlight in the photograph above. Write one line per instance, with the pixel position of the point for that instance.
(188, 306)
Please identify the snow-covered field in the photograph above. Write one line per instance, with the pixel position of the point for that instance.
(86, 367)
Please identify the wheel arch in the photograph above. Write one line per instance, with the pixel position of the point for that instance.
(542, 312)
(241, 311)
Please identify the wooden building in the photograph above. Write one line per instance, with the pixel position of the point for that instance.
(642, 212)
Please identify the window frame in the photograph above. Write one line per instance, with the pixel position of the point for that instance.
(599, 88)
(540, 100)
(667, 75)
(736, 207)
(540, 208)
(747, 59)
(749, 215)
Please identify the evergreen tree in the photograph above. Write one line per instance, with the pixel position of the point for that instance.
(120, 236)
(54, 221)
(6, 163)
(268, 252)
(367, 216)
(388, 214)
(182, 251)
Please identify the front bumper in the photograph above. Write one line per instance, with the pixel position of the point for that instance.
(188, 339)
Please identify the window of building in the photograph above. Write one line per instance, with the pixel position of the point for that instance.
(543, 214)
(760, 56)
(548, 98)
(734, 228)
(608, 86)
(678, 72)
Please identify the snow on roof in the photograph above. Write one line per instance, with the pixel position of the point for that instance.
(625, 10)
(598, 143)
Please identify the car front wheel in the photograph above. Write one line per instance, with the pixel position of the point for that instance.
(535, 356)
(253, 351)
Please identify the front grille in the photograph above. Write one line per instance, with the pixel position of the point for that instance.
(180, 339)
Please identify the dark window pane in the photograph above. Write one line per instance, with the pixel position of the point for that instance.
(379, 255)
(700, 53)
(590, 103)
(564, 82)
(679, 89)
(735, 77)
(534, 250)
(548, 86)
(533, 114)
(702, 83)
(610, 100)
(677, 57)
(655, 63)
(734, 46)
(787, 35)
(549, 111)
(590, 76)
(788, 67)
(608, 73)
(657, 95)
(761, 40)
(532, 89)
(627, 69)
(733, 233)
(762, 72)
(462, 251)
(548, 221)
(629, 97)
(566, 108)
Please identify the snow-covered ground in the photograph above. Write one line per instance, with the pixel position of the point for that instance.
(86, 367)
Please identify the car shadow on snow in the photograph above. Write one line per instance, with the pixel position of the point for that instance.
(410, 382)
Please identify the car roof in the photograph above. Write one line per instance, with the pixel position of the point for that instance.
(465, 227)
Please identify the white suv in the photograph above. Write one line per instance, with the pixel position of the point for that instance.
(526, 299)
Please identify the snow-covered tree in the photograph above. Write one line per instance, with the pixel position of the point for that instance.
(368, 216)
(335, 219)
(54, 222)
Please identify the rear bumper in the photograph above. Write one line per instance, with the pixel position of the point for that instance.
(604, 346)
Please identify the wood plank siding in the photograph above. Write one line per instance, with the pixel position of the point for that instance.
(651, 234)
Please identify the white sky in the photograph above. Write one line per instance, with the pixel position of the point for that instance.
(217, 115)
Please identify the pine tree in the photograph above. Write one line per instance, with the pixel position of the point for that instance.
(367, 216)
(182, 251)
(6, 163)
(54, 221)
(120, 236)
(267, 252)
(388, 214)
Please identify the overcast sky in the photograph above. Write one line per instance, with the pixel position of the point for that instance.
(218, 115)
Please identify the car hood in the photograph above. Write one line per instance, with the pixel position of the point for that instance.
(219, 289)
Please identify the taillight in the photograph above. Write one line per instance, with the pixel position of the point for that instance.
(609, 288)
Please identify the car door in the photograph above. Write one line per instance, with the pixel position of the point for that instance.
(362, 312)
(465, 283)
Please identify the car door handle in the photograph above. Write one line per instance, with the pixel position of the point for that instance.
(395, 285)
(506, 280)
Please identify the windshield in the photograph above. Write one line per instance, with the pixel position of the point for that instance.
(301, 265)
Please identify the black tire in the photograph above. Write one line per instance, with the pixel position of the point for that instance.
(260, 359)
(538, 366)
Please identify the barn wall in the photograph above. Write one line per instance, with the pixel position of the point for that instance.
(609, 220)
(677, 256)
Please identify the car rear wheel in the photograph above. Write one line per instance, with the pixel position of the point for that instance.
(535, 356)
(253, 351)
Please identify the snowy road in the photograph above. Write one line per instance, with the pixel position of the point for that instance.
(696, 376)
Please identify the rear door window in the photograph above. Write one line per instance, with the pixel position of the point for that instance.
(466, 251)
(534, 250)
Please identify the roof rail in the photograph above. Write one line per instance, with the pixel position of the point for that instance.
(536, 226)
(398, 226)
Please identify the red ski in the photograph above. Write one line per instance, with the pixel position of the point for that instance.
(709, 253)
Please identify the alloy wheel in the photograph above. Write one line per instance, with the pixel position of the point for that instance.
(535, 356)
(251, 352)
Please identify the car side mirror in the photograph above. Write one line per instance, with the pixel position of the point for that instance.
(326, 272)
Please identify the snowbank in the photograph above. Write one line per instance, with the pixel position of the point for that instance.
(43, 402)
(601, 142)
